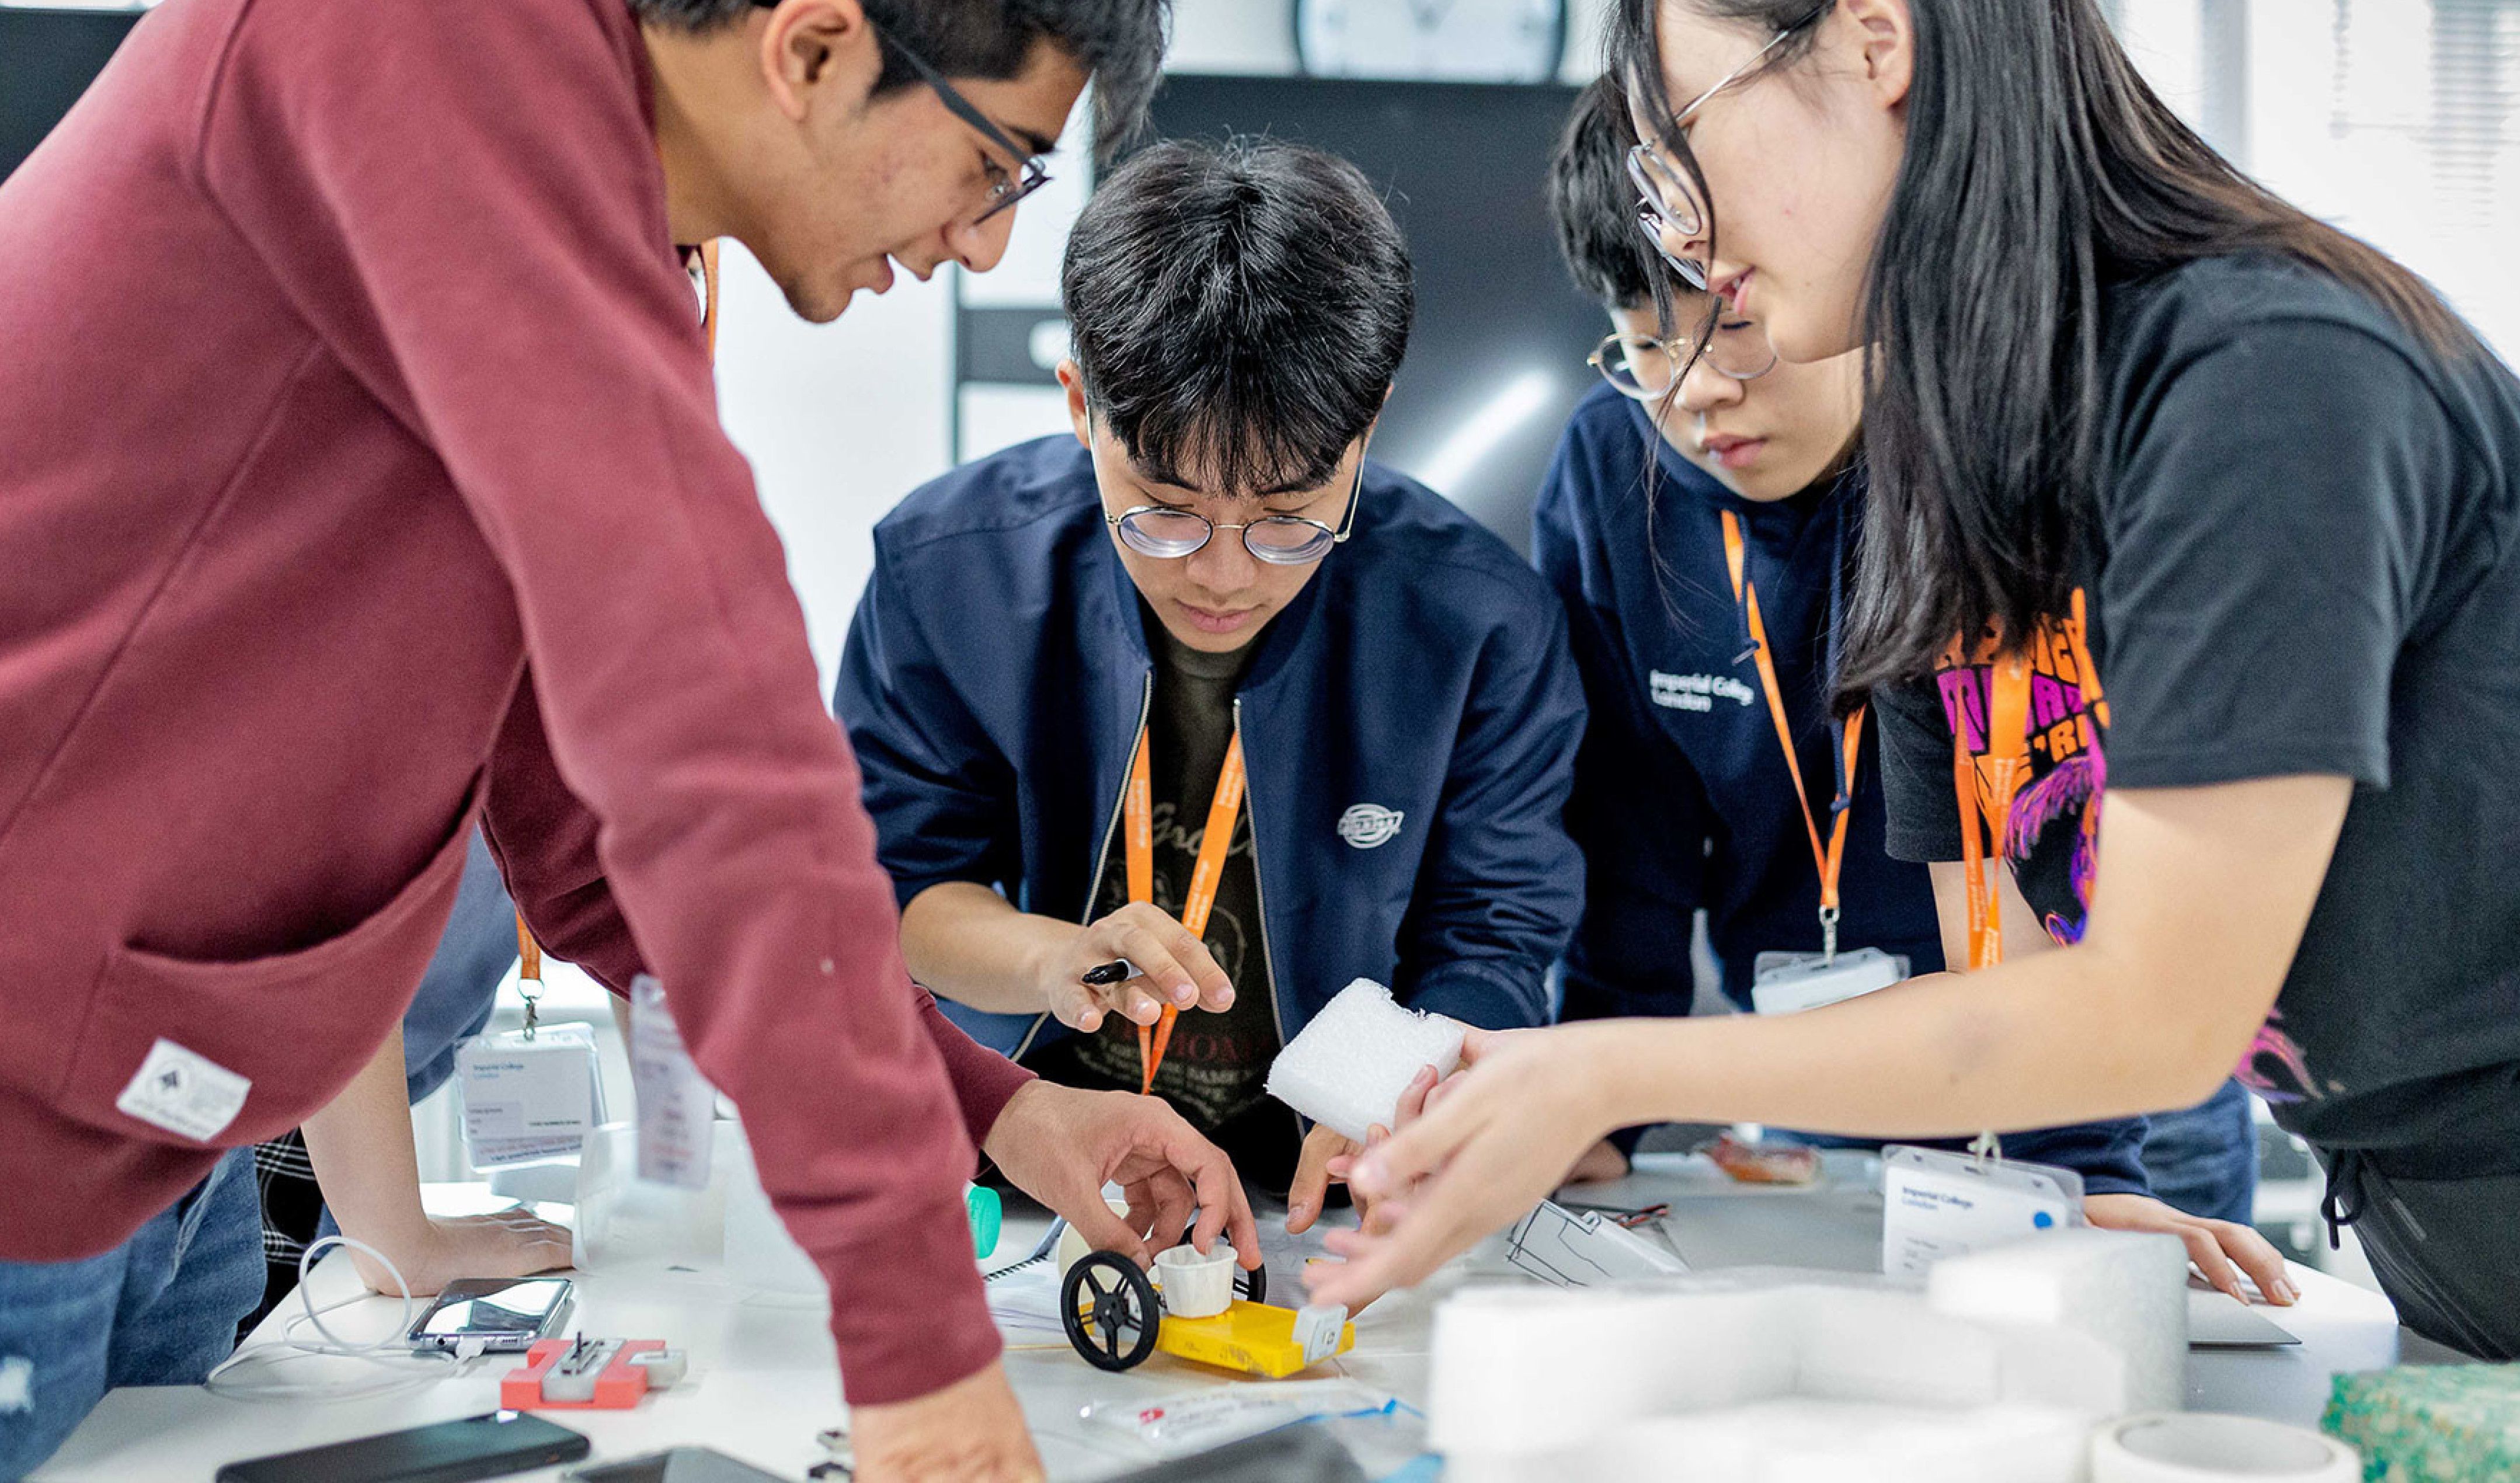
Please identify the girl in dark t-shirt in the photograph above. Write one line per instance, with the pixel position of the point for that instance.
(2129, 418)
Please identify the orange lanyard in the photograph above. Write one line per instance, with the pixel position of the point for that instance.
(1831, 858)
(1222, 814)
(1985, 788)
(528, 951)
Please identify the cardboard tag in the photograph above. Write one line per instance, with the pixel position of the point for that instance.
(184, 1092)
(527, 1100)
(676, 1103)
(1937, 1204)
(1788, 983)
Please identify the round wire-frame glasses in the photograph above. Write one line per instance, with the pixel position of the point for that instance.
(1668, 205)
(1170, 533)
(1645, 368)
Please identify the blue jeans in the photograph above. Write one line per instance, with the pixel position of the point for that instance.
(2205, 1160)
(160, 1308)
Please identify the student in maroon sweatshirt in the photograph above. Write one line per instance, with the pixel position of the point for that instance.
(359, 476)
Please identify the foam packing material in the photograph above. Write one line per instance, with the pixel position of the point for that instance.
(2426, 1421)
(1796, 1440)
(1999, 1372)
(2126, 1290)
(1347, 1068)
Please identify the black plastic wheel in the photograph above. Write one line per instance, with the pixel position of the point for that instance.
(1108, 1308)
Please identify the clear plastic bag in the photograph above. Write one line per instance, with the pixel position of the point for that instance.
(1195, 1418)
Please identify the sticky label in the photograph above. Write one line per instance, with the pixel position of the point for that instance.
(184, 1092)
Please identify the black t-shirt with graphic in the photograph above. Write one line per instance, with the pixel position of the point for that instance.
(2307, 562)
(1215, 1066)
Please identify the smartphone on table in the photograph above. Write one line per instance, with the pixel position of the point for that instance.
(490, 1446)
(681, 1464)
(506, 1314)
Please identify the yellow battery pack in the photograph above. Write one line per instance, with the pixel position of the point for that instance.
(1254, 1338)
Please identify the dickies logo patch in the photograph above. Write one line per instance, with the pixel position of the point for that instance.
(1369, 825)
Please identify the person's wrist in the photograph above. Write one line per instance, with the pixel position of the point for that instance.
(1046, 965)
(1012, 1117)
(413, 1253)
(1615, 1082)
(401, 1234)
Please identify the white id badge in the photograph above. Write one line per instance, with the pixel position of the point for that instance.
(527, 1098)
(1938, 1204)
(1788, 983)
(676, 1103)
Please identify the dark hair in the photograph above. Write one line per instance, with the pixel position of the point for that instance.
(1238, 311)
(1120, 43)
(2039, 169)
(1594, 204)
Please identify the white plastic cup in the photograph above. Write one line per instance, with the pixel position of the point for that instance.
(1196, 1286)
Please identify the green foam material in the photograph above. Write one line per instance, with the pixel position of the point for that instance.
(2431, 1424)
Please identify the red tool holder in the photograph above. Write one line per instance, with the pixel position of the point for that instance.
(619, 1389)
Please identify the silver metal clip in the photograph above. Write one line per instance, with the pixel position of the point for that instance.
(530, 990)
(1987, 1149)
(1829, 936)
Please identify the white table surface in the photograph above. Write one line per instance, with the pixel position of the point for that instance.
(764, 1379)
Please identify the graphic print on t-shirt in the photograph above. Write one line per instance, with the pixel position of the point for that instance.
(2053, 832)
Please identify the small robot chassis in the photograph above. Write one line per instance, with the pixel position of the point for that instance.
(1114, 1318)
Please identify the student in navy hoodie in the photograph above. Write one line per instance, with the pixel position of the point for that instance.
(1208, 575)
(1684, 799)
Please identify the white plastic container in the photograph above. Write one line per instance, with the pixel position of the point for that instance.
(1196, 1286)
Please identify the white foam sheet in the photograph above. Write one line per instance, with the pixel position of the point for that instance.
(1522, 1371)
(1799, 1440)
(2126, 1290)
(1347, 1068)
(1997, 1371)
(1883, 1346)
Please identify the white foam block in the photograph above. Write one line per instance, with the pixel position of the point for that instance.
(2126, 1290)
(1349, 1066)
(1530, 1371)
(1995, 1374)
(1884, 1346)
(1800, 1439)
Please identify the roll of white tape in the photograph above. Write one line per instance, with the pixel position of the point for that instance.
(2178, 1446)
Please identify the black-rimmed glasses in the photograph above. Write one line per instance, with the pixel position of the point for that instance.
(1169, 533)
(1004, 190)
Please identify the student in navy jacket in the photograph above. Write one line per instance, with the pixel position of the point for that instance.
(1395, 682)
(1683, 798)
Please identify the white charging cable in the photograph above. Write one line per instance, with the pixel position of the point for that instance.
(388, 1350)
